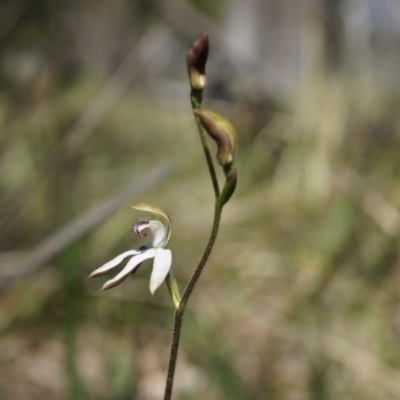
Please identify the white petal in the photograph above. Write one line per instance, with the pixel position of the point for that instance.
(159, 212)
(161, 267)
(132, 264)
(159, 233)
(113, 263)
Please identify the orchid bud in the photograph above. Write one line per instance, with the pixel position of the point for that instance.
(224, 134)
(196, 62)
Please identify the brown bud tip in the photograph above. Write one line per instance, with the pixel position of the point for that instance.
(222, 131)
(196, 62)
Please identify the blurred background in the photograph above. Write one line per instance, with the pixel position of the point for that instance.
(300, 299)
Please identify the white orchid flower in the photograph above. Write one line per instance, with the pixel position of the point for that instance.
(155, 249)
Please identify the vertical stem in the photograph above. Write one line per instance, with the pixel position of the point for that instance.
(211, 241)
(196, 98)
(179, 313)
(176, 336)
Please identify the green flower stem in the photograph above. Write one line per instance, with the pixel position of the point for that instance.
(197, 272)
(179, 312)
(196, 97)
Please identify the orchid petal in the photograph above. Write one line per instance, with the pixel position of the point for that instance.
(159, 233)
(161, 267)
(133, 263)
(113, 263)
(158, 212)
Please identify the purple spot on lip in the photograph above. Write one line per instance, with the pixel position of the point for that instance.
(138, 228)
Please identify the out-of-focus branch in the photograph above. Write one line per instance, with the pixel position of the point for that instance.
(141, 55)
(82, 225)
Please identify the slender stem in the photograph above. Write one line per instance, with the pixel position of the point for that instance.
(173, 356)
(179, 313)
(206, 254)
(196, 98)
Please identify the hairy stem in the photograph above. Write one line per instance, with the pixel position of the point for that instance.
(179, 313)
(196, 97)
